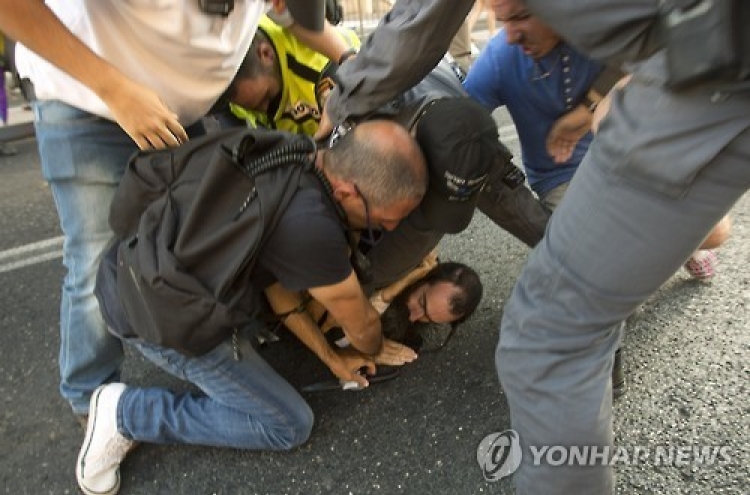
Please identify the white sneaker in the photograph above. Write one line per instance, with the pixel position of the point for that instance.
(104, 448)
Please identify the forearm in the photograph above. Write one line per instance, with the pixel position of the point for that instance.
(613, 31)
(571, 127)
(298, 321)
(354, 313)
(410, 40)
(603, 107)
(366, 334)
(605, 81)
(33, 24)
(327, 42)
(308, 332)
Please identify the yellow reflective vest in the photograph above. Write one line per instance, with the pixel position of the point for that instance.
(302, 69)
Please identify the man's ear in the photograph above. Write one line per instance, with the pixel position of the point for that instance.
(343, 190)
(266, 54)
(278, 6)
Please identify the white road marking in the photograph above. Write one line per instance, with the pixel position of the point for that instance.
(31, 254)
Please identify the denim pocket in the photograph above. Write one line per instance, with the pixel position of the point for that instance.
(75, 144)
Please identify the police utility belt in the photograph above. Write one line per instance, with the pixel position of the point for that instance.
(707, 42)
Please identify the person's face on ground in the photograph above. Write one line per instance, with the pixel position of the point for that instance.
(535, 38)
(431, 303)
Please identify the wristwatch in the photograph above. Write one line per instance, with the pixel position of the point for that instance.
(591, 100)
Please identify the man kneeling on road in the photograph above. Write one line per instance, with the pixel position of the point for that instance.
(468, 167)
(372, 178)
(273, 85)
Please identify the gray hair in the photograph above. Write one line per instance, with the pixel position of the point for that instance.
(386, 166)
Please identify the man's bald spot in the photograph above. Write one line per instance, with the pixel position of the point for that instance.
(393, 138)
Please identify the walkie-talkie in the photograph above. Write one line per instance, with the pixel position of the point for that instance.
(217, 7)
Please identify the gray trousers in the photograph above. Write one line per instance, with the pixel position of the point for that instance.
(662, 172)
(515, 209)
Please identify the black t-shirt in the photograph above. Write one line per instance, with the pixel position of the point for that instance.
(307, 249)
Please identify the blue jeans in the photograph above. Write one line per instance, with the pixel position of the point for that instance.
(243, 403)
(636, 209)
(83, 158)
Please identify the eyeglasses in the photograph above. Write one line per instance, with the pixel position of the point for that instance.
(428, 336)
(422, 301)
(371, 237)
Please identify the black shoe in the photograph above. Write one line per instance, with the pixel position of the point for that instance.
(618, 376)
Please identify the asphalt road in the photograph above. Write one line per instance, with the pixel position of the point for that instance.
(687, 368)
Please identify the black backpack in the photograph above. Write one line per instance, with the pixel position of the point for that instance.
(190, 222)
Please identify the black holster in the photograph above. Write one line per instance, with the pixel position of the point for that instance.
(511, 205)
(707, 41)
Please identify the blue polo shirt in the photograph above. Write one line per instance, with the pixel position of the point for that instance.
(536, 94)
